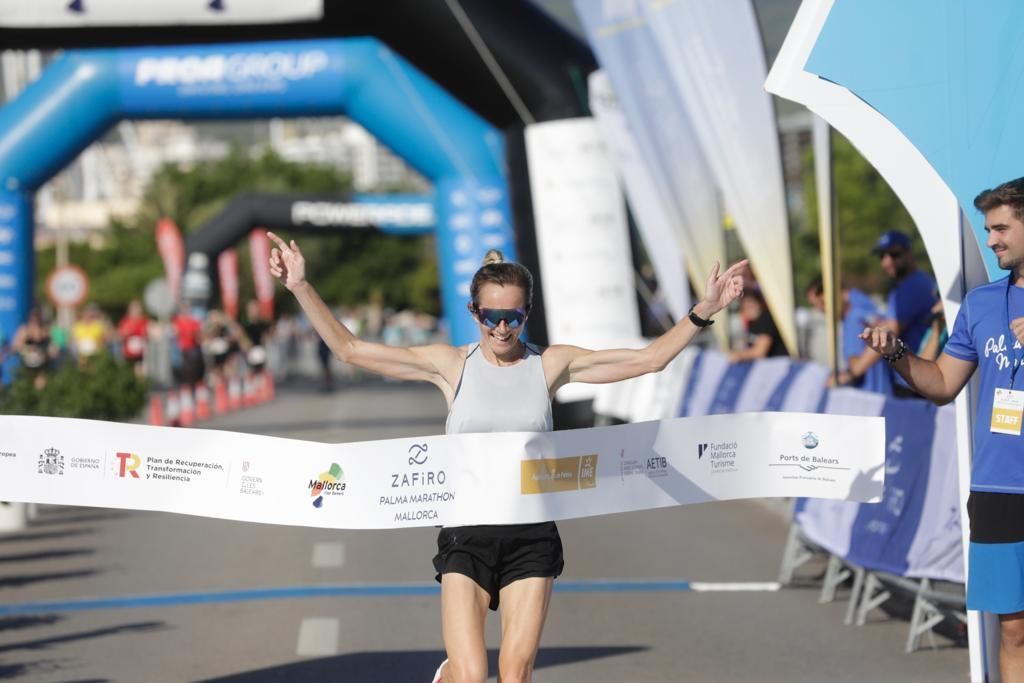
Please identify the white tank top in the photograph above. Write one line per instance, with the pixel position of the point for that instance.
(509, 398)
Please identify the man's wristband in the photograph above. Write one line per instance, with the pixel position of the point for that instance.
(901, 350)
(697, 320)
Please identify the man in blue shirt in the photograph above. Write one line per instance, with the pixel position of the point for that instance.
(988, 336)
(857, 312)
(909, 305)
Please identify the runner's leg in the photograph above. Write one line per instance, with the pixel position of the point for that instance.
(524, 606)
(463, 614)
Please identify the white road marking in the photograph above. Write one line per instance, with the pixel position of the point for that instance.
(710, 587)
(327, 555)
(318, 637)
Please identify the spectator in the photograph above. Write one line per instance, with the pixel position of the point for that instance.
(33, 346)
(911, 297)
(936, 336)
(224, 341)
(257, 330)
(762, 338)
(857, 311)
(187, 356)
(134, 332)
(90, 333)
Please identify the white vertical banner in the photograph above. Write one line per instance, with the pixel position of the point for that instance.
(653, 218)
(582, 239)
(930, 203)
(714, 53)
(664, 134)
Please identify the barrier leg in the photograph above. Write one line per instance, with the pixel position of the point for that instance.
(871, 598)
(834, 575)
(794, 555)
(855, 594)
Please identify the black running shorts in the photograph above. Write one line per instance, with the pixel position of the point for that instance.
(495, 556)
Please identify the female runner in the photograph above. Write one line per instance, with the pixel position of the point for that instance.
(498, 384)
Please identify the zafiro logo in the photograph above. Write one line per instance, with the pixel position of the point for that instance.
(701, 449)
(128, 465)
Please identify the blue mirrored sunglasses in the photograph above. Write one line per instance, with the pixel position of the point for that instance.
(492, 317)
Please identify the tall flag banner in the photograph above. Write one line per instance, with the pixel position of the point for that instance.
(80, 13)
(172, 250)
(715, 56)
(653, 218)
(582, 240)
(259, 251)
(888, 138)
(227, 273)
(665, 137)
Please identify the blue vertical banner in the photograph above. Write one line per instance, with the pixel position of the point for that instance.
(882, 534)
(15, 268)
(472, 217)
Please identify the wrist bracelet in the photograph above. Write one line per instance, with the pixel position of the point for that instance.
(901, 350)
(697, 320)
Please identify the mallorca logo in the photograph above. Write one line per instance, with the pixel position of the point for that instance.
(128, 465)
(329, 483)
(810, 440)
(701, 449)
(51, 462)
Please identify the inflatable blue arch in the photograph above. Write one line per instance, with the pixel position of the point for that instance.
(82, 93)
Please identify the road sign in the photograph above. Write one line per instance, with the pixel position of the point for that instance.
(67, 286)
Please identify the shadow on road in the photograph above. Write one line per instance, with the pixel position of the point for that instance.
(44, 535)
(46, 643)
(409, 665)
(47, 555)
(28, 579)
(15, 623)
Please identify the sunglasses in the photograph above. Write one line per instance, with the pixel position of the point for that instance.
(492, 317)
(892, 253)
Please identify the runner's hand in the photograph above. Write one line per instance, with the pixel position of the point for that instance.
(722, 290)
(287, 263)
(881, 340)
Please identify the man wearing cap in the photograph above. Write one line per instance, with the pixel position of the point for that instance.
(909, 306)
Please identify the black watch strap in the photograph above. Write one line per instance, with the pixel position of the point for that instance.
(697, 320)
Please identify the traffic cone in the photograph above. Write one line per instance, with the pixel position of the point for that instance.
(234, 394)
(220, 396)
(188, 415)
(156, 410)
(173, 409)
(202, 402)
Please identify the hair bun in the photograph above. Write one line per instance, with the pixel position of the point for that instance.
(493, 256)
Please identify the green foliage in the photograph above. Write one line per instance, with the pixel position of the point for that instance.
(867, 207)
(344, 268)
(98, 389)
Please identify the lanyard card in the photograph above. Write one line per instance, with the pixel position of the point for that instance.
(1007, 410)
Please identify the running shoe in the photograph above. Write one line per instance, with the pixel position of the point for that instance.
(437, 674)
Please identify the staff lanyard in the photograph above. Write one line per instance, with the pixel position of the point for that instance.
(1013, 337)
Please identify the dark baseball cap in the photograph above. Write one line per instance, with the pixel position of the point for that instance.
(894, 239)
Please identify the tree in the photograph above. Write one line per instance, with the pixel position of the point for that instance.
(867, 207)
(344, 267)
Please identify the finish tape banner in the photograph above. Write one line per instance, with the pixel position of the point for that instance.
(500, 478)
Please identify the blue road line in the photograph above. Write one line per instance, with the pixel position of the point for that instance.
(299, 592)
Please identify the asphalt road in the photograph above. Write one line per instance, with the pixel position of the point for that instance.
(98, 595)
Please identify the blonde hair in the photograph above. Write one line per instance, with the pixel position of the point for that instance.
(497, 270)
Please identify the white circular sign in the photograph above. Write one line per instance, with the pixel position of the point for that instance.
(67, 286)
(158, 299)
